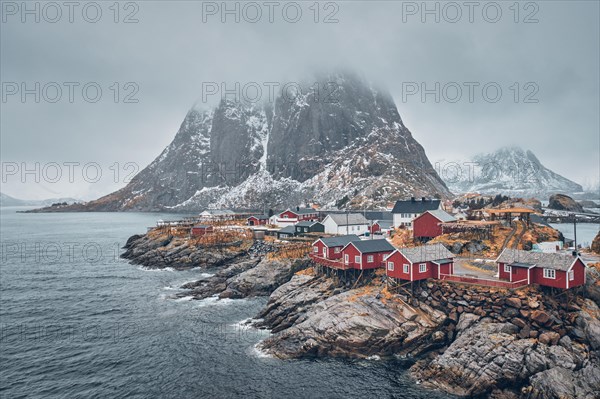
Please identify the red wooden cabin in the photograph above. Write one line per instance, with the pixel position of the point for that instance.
(547, 269)
(300, 214)
(331, 247)
(419, 263)
(201, 230)
(367, 254)
(258, 220)
(427, 225)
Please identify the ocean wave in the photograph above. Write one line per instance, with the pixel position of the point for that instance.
(149, 269)
(257, 351)
(184, 299)
(216, 301)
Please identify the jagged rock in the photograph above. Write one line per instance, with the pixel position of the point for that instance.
(513, 302)
(563, 202)
(540, 316)
(559, 383)
(595, 247)
(549, 338)
(352, 324)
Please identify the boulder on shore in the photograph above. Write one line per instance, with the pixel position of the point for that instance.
(562, 202)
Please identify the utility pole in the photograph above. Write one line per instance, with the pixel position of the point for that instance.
(576, 253)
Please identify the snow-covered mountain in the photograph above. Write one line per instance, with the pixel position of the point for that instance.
(509, 170)
(349, 148)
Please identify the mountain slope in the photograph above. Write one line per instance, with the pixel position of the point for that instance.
(346, 146)
(509, 170)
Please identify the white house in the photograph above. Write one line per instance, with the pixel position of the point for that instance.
(345, 223)
(406, 211)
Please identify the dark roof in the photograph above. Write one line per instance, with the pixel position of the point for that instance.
(416, 206)
(370, 246)
(288, 229)
(379, 215)
(426, 253)
(539, 259)
(443, 261)
(260, 217)
(301, 211)
(520, 264)
(339, 241)
(442, 216)
(306, 223)
(384, 224)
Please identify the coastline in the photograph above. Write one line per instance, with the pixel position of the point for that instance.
(444, 331)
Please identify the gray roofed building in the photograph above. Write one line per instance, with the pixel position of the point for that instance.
(443, 216)
(339, 241)
(416, 205)
(370, 246)
(426, 253)
(378, 215)
(306, 223)
(384, 224)
(344, 219)
(517, 257)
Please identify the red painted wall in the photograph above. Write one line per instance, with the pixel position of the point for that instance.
(537, 276)
(447, 268)
(289, 214)
(375, 228)
(501, 273)
(352, 252)
(426, 225)
(330, 251)
(519, 273)
(398, 271)
(252, 221)
(429, 273)
(579, 277)
(377, 260)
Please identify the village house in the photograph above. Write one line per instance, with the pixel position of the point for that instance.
(381, 227)
(406, 211)
(258, 220)
(428, 225)
(331, 247)
(345, 223)
(218, 214)
(286, 232)
(201, 230)
(420, 263)
(366, 254)
(290, 217)
(546, 269)
(309, 227)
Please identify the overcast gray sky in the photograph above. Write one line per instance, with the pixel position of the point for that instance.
(175, 47)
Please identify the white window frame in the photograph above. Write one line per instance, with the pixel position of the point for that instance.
(571, 275)
(316, 250)
(507, 268)
(422, 267)
(370, 259)
(391, 266)
(550, 274)
(325, 251)
(356, 258)
(346, 258)
(337, 250)
(406, 268)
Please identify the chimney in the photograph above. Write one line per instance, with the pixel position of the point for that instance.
(412, 199)
(423, 199)
(297, 208)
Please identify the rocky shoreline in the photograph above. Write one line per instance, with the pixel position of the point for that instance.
(463, 340)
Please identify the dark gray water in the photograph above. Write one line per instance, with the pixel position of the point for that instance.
(78, 322)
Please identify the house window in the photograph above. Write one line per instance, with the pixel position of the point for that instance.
(506, 268)
(357, 259)
(370, 259)
(337, 250)
(316, 249)
(325, 252)
(571, 275)
(391, 266)
(550, 273)
(347, 258)
(406, 267)
(422, 267)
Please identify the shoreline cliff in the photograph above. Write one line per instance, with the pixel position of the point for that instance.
(464, 340)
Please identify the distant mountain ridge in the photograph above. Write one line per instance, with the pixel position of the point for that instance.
(509, 170)
(7, 200)
(353, 151)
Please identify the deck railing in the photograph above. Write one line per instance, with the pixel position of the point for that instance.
(482, 281)
(333, 263)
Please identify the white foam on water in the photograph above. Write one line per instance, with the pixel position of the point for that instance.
(216, 301)
(260, 353)
(184, 299)
(149, 269)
